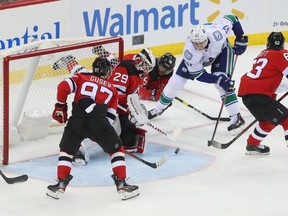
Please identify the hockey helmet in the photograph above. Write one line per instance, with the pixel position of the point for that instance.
(101, 67)
(145, 60)
(199, 37)
(275, 41)
(166, 63)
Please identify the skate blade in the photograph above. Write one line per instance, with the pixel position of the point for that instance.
(256, 153)
(54, 195)
(129, 195)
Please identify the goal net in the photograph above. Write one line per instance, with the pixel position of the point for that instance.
(29, 79)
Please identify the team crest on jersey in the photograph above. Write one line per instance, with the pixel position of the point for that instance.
(217, 35)
(188, 55)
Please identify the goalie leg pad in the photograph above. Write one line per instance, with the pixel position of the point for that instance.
(141, 140)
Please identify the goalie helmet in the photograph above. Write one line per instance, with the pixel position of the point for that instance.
(101, 67)
(275, 41)
(166, 63)
(145, 60)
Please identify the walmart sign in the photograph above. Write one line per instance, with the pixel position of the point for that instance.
(107, 23)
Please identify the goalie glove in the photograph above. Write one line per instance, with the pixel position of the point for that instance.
(60, 112)
(240, 45)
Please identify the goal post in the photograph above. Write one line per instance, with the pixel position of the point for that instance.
(29, 82)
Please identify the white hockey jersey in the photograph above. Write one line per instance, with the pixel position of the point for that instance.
(217, 35)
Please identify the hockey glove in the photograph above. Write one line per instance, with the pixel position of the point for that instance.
(225, 83)
(60, 112)
(240, 45)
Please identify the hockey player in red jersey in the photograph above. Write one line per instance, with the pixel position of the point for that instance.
(128, 77)
(93, 111)
(258, 91)
(155, 80)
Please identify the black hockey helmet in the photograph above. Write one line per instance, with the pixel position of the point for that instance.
(101, 67)
(166, 63)
(275, 41)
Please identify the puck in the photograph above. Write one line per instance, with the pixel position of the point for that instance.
(177, 150)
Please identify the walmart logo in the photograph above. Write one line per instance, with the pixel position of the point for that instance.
(234, 11)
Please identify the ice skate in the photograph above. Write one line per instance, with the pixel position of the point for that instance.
(81, 158)
(257, 150)
(55, 191)
(125, 190)
(154, 113)
(235, 122)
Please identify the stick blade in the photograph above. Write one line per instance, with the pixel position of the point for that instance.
(218, 145)
(175, 134)
(13, 180)
(162, 161)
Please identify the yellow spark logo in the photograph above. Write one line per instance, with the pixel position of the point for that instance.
(214, 15)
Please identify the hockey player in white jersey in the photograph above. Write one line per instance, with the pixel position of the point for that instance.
(207, 45)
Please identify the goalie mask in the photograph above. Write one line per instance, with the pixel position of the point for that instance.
(199, 37)
(166, 64)
(145, 60)
(275, 41)
(101, 67)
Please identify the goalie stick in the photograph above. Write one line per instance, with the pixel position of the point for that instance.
(226, 145)
(202, 113)
(12, 180)
(153, 165)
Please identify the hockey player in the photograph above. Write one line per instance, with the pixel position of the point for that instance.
(257, 89)
(154, 81)
(158, 78)
(128, 77)
(93, 110)
(207, 45)
(131, 79)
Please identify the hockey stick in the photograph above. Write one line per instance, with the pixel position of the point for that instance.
(176, 132)
(226, 145)
(12, 180)
(222, 105)
(153, 165)
(202, 113)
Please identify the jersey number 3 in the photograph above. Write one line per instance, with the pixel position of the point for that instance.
(257, 70)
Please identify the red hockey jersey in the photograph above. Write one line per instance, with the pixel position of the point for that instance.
(127, 80)
(267, 72)
(89, 85)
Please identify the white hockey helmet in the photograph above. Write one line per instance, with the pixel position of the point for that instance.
(198, 34)
(145, 60)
